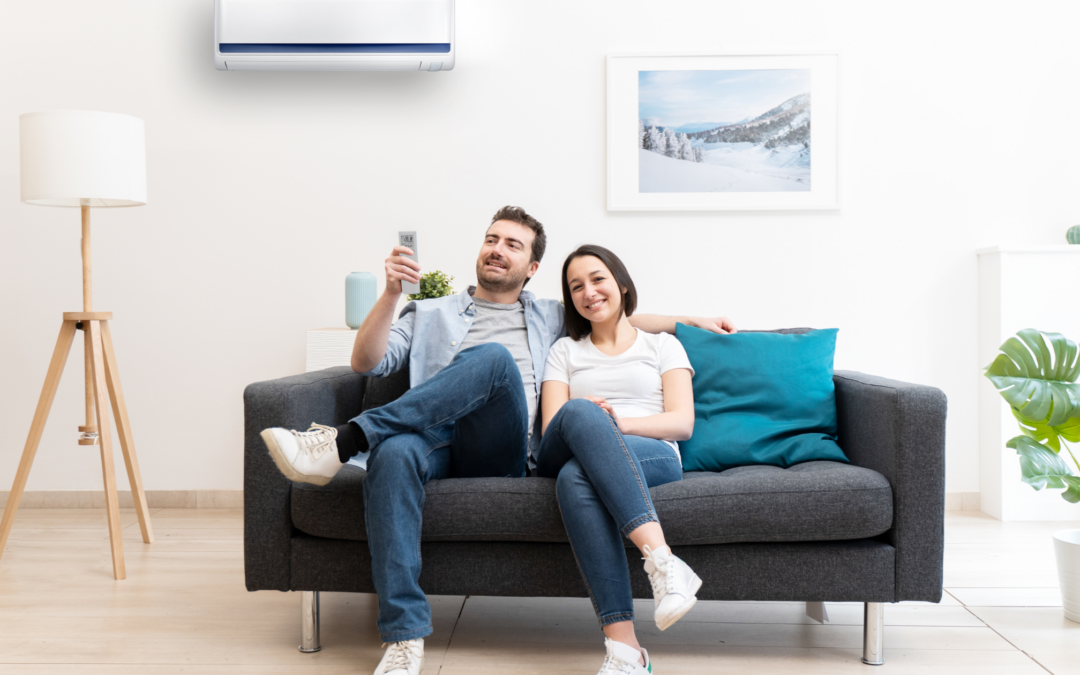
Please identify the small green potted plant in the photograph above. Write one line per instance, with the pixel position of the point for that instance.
(434, 284)
(1036, 374)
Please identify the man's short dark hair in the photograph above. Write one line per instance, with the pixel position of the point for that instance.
(578, 326)
(516, 214)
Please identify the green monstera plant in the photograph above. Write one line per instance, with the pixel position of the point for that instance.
(1036, 375)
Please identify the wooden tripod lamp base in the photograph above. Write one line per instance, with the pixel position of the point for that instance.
(104, 381)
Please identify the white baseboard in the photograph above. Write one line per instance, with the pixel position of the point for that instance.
(962, 501)
(95, 499)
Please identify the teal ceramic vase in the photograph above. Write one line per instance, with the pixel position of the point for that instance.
(359, 297)
(1073, 235)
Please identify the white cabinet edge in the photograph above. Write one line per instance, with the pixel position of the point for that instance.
(1049, 248)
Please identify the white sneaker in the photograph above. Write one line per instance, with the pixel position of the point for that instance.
(622, 659)
(305, 456)
(674, 586)
(402, 658)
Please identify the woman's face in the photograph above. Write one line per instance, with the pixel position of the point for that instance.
(596, 295)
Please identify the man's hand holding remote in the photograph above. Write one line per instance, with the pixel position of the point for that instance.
(373, 335)
(399, 268)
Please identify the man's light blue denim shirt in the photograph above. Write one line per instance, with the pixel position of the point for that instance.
(427, 335)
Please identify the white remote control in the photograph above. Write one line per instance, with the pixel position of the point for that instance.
(408, 239)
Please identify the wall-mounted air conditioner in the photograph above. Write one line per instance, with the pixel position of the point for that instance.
(334, 34)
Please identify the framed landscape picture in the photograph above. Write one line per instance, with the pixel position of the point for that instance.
(722, 132)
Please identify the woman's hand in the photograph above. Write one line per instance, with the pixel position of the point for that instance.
(606, 407)
(721, 325)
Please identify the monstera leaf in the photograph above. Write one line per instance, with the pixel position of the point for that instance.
(1073, 493)
(1041, 468)
(1040, 385)
(1041, 431)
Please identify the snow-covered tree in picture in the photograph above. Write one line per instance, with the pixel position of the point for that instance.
(686, 151)
(668, 142)
(656, 140)
(671, 143)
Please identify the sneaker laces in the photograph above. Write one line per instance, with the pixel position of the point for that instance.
(660, 578)
(400, 654)
(316, 440)
(615, 665)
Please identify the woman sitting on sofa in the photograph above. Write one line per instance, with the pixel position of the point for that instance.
(614, 401)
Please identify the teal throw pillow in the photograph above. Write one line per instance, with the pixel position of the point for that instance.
(760, 398)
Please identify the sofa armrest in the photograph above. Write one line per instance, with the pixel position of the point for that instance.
(898, 430)
(331, 397)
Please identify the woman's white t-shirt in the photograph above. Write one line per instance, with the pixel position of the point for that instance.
(630, 381)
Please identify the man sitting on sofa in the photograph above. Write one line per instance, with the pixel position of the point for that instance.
(476, 361)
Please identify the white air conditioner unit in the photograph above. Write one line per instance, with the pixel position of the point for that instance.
(334, 34)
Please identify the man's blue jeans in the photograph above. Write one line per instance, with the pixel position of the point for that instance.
(603, 481)
(469, 420)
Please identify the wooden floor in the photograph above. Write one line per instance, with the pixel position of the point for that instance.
(183, 609)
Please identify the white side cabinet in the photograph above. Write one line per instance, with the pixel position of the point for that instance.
(328, 347)
(1020, 287)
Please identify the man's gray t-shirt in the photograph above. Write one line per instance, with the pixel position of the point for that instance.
(505, 324)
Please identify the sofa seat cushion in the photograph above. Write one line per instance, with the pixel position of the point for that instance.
(455, 509)
(813, 501)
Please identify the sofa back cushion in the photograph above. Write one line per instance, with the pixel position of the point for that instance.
(760, 398)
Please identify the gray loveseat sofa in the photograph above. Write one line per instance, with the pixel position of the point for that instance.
(871, 531)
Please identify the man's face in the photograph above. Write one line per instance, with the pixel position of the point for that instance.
(505, 259)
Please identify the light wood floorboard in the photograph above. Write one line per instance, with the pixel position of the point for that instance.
(184, 609)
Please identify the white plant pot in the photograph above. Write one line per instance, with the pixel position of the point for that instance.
(1067, 548)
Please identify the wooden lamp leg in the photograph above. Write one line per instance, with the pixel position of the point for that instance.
(48, 393)
(87, 433)
(101, 399)
(123, 428)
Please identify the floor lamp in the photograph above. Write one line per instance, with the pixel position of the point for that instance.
(85, 159)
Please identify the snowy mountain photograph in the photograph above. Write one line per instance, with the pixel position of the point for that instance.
(764, 148)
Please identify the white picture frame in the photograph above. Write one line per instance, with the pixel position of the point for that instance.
(629, 173)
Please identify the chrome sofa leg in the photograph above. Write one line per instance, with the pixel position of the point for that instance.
(873, 628)
(309, 622)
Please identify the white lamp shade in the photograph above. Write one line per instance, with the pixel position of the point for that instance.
(82, 158)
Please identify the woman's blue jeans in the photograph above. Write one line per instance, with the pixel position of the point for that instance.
(603, 481)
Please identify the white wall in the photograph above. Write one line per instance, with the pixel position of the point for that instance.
(266, 189)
